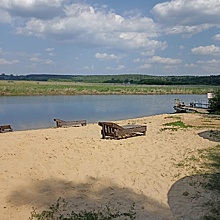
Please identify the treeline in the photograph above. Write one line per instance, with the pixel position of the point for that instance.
(121, 79)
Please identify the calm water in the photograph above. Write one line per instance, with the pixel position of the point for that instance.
(39, 111)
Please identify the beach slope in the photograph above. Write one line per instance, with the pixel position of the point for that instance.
(39, 166)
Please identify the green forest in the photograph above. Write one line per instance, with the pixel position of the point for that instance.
(120, 79)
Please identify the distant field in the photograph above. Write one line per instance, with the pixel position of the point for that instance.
(27, 88)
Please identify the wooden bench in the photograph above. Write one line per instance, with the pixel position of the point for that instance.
(112, 130)
(5, 128)
(62, 123)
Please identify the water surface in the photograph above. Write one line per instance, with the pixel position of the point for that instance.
(33, 112)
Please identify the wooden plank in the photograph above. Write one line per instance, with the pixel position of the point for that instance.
(5, 128)
(62, 123)
(115, 131)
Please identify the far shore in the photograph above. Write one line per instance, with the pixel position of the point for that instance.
(39, 166)
(38, 88)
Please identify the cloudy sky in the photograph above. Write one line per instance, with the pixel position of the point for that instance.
(154, 37)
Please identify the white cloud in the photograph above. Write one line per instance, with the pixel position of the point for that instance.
(85, 25)
(210, 66)
(120, 67)
(49, 49)
(89, 67)
(148, 53)
(109, 68)
(33, 8)
(137, 60)
(5, 17)
(105, 56)
(188, 16)
(168, 67)
(188, 12)
(213, 62)
(30, 3)
(163, 60)
(187, 31)
(3, 61)
(190, 65)
(216, 37)
(146, 66)
(48, 62)
(206, 50)
(35, 59)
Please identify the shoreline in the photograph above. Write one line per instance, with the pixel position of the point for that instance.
(38, 166)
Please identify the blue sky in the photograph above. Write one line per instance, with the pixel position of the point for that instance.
(178, 37)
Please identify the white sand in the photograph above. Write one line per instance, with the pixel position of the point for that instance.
(38, 166)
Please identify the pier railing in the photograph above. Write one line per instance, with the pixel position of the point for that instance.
(200, 104)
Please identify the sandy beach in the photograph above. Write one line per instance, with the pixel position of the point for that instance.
(39, 166)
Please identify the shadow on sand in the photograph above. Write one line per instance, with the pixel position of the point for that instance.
(212, 135)
(189, 199)
(196, 196)
(92, 194)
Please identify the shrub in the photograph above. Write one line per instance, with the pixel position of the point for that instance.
(215, 102)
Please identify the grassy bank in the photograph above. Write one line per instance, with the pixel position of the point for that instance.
(19, 88)
(206, 166)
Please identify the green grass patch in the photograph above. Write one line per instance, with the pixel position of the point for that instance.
(179, 124)
(173, 117)
(57, 210)
(17, 88)
(211, 163)
(168, 129)
(174, 126)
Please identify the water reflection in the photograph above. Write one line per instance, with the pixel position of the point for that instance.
(38, 111)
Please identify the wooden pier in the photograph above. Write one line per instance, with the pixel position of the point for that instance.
(193, 107)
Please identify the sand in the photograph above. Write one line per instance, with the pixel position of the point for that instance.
(39, 166)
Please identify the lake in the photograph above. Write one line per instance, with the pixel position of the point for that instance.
(34, 112)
